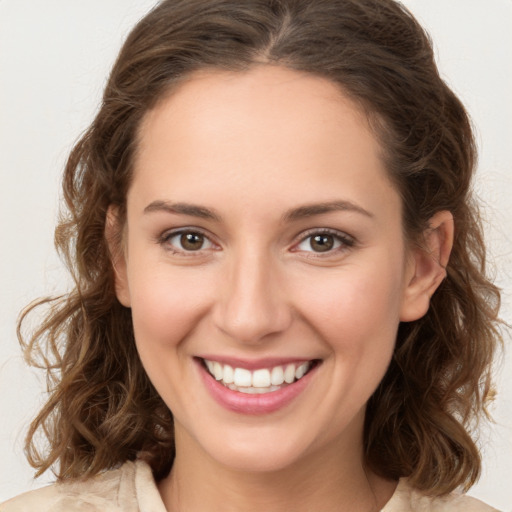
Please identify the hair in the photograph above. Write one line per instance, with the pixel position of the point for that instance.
(102, 409)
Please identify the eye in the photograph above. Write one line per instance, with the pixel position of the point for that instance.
(187, 241)
(324, 242)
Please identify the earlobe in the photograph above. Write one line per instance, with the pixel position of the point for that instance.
(427, 266)
(114, 238)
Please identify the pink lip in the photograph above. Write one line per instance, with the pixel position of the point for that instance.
(243, 403)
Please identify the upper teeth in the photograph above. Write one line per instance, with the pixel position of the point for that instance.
(261, 378)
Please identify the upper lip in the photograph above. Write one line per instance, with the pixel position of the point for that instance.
(255, 364)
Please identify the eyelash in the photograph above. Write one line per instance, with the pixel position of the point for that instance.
(165, 240)
(342, 242)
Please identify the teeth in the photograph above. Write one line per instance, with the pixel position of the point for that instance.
(261, 379)
(289, 373)
(277, 376)
(242, 377)
(217, 371)
(301, 370)
(249, 391)
(229, 374)
(264, 380)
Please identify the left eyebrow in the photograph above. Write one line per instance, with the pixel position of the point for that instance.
(182, 209)
(310, 210)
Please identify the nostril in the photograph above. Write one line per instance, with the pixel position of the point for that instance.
(252, 323)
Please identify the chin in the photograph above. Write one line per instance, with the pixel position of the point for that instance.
(261, 449)
(257, 459)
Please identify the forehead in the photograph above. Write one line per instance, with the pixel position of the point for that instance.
(257, 131)
(279, 97)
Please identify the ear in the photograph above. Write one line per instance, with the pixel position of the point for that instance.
(427, 267)
(114, 238)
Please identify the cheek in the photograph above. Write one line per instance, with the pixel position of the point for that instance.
(356, 310)
(166, 305)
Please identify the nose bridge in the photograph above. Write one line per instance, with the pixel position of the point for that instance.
(253, 306)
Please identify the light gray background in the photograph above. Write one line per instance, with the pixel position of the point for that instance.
(54, 59)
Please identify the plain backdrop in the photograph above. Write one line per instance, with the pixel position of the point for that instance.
(54, 59)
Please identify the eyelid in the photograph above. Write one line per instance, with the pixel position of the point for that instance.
(347, 241)
(167, 235)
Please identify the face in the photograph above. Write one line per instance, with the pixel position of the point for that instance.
(265, 265)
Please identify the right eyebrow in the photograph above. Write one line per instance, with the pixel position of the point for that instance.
(182, 209)
(310, 210)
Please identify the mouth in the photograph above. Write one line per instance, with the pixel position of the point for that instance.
(260, 380)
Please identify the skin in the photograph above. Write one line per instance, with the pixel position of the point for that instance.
(251, 148)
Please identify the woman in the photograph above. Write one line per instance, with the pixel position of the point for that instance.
(281, 296)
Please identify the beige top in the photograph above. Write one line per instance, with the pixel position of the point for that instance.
(131, 488)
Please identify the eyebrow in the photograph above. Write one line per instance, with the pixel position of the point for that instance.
(182, 209)
(302, 212)
(310, 210)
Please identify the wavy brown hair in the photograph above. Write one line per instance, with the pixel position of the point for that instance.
(102, 409)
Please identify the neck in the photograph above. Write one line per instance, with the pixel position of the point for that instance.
(331, 479)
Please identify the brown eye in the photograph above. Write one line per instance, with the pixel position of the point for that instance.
(192, 241)
(322, 243)
(187, 241)
(325, 242)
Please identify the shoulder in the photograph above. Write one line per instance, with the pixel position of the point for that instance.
(111, 491)
(407, 499)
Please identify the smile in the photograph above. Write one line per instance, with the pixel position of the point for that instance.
(263, 380)
(256, 387)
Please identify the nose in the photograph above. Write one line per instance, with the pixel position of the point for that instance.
(252, 303)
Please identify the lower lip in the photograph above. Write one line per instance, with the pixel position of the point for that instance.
(244, 403)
